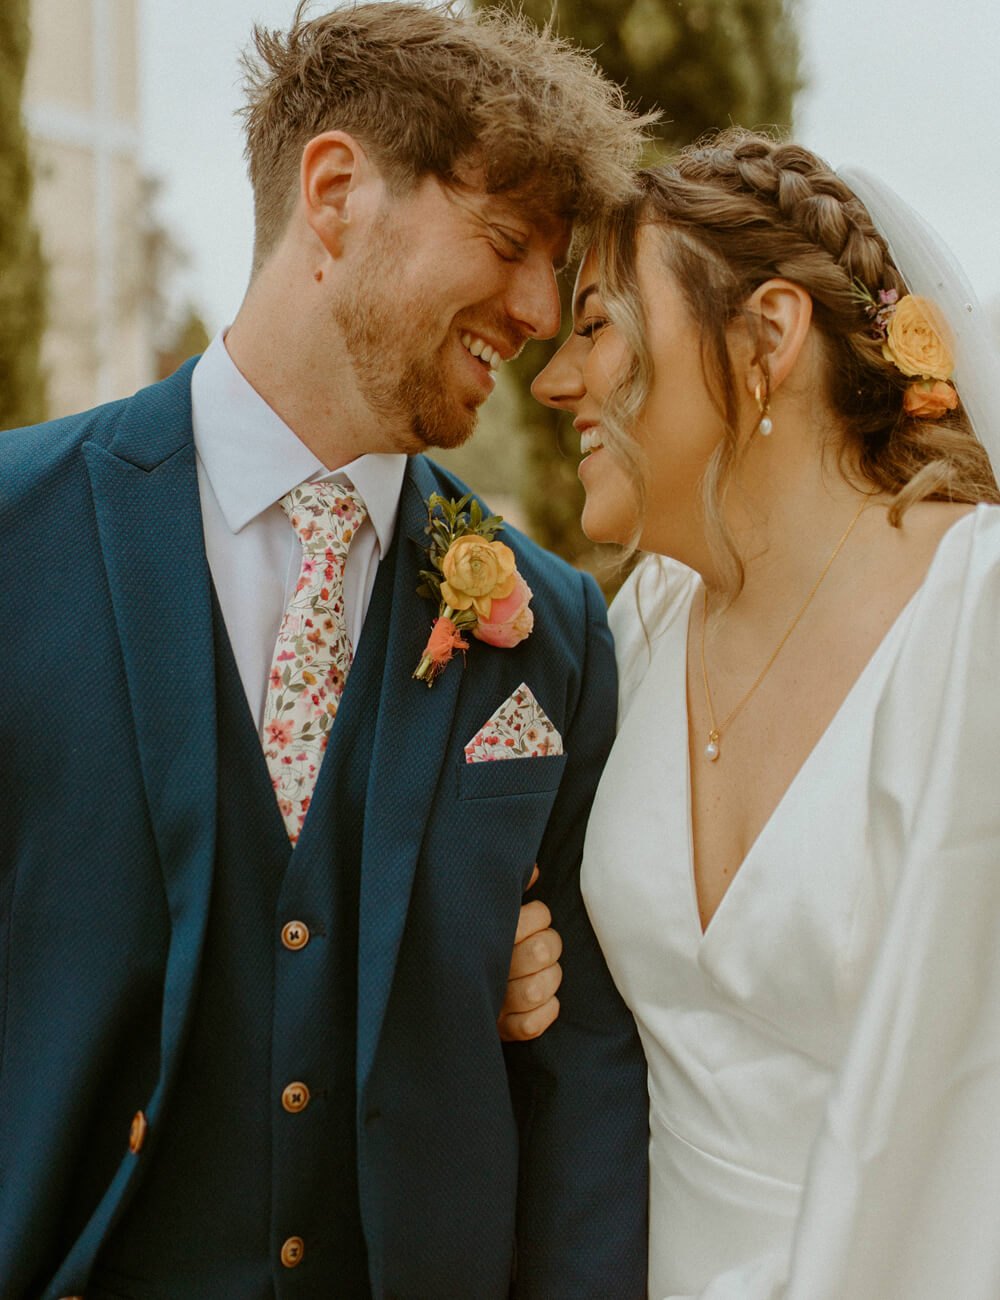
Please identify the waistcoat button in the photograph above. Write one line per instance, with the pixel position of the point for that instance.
(295, 1098)
(292, 1252)
(137, 1133)
(295, 935)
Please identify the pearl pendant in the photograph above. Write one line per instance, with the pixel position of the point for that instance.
(765, 426)
(712, 748)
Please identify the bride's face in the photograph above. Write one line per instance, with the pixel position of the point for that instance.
(678, 428)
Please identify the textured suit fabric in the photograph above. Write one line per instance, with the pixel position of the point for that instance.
(481, 1171)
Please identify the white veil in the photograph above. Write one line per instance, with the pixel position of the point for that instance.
(931, 270)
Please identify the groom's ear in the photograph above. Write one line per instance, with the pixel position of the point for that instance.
(780, 314)
(338, 187)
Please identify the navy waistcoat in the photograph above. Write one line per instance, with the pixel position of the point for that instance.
(251, 1191)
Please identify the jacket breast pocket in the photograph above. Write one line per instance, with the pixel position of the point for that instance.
(510, 778)
(500, 810)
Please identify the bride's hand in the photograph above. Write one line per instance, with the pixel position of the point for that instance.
(530, 1005)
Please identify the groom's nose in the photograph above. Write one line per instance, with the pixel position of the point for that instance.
(532, 300)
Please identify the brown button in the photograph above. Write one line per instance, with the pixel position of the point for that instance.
(137, 1133)
(295, 935)
(292, 1252)
(295, 1098)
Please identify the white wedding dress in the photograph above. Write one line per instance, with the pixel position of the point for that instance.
(824, 1061)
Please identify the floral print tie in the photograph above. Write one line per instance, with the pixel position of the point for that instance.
(312, 655)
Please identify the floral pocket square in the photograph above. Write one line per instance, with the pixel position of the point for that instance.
(518, 729)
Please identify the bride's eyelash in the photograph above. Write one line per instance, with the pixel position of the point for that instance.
(590, 327)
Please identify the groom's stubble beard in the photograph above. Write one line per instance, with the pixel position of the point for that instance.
(408, 393)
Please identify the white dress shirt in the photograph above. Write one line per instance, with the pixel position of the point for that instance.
(248, 458)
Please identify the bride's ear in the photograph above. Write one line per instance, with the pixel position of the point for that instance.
(781, 312)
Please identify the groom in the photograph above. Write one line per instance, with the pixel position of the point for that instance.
(249, 1049)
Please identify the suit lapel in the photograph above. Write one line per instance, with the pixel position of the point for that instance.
(146, 499)
(411, 735)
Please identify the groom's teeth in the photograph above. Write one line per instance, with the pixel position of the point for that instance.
(589, 441)
(483, 350)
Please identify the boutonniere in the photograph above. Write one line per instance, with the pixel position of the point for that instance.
(474, 580)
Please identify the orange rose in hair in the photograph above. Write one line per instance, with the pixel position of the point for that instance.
(917, 340)
(929, 398)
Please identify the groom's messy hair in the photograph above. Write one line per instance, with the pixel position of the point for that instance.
(436, 91)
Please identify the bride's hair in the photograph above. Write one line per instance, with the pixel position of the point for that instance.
(735, 210)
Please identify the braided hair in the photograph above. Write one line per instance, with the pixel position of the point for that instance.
(738, 209)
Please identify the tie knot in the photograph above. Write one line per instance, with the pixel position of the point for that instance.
(324, 515)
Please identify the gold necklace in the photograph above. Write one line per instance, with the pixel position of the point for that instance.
(717, 728)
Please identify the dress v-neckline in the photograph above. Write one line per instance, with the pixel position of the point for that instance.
(891, 636)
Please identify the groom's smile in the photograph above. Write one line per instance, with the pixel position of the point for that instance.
(452, 283)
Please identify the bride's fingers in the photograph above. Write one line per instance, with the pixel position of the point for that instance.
(533, 917)
(536, 944)
(530, 1005)
(520, 1027)
(527, 992)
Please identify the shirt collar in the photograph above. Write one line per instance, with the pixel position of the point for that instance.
(252, 458)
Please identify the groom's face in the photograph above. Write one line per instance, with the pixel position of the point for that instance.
(452, 282)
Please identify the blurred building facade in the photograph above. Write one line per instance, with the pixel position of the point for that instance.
(90, 198)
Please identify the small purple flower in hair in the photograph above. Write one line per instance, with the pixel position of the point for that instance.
(880, 311)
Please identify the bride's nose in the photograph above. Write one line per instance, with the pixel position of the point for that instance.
(560, 384)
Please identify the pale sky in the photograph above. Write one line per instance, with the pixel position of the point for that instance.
(905, 88)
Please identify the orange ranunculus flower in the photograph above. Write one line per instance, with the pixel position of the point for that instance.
(917, 340)
(932, 399)
(476, 572)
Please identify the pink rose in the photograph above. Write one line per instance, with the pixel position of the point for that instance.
(510, 619)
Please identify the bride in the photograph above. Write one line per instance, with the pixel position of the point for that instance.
(793, 861)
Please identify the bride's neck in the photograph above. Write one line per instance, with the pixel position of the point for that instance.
(786, 516)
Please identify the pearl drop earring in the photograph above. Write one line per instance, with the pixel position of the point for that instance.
(765, 424)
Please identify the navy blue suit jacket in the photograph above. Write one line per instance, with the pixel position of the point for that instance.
(108, 755)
